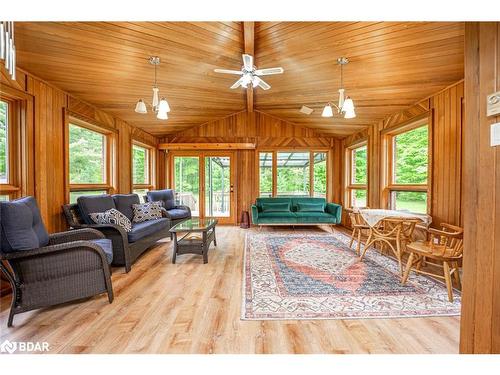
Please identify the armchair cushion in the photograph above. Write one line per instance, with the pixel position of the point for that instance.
(95, 203)
(125, 202)
(106, 246)
(177, 213)
(21, 225)
(141, 230)
(166, 196)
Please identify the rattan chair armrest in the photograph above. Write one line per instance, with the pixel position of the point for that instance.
(75, 235)
(52, 249)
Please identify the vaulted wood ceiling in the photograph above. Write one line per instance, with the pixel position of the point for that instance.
(392, 66)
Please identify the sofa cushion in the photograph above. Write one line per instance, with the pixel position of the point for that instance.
(166, 196)
(144, 229)
(307, 200)
(276, 207)
(112, 216)
(147, 211)
(177, 213)
(315, 217)
(106, 246)
(22, 225)
(310, 207)
(124, 203)
(259, 202)
(276, 214)
(94, 203)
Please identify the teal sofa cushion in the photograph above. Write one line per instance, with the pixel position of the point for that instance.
(260, 202)
(296, 201)
(315, 217)
(276, 207)
(310, 207)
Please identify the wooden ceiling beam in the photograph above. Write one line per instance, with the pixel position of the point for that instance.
(249, 42)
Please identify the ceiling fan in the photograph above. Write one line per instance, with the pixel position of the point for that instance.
(250, 74)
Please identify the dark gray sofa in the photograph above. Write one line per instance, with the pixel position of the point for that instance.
(173, 212)
(127, 247)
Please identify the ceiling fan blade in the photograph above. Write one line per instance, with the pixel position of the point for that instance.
(269, 71)
(248, 62)
(237, 83)
(228, 71)
(263, 85)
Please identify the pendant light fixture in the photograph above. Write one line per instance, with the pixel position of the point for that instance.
(346, 105)
(158, 106)
(7, 47)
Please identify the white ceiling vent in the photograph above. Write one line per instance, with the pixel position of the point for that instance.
(306, 110)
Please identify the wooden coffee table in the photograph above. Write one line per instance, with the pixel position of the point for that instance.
(199, 233)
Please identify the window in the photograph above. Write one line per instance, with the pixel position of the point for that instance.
(292, 173)
(9, 160)
(90, 161)
(142, 169)
(357, 175)
(319, 174)
(265, 174)
(408, 169)
(4, 142)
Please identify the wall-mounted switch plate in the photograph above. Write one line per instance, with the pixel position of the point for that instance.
(493, 104)
(495, 134)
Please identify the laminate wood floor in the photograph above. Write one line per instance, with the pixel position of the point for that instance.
(191, 307)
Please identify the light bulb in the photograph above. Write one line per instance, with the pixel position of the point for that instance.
(163, 106)
(162, 115)
(350, 114)
(140, 107)
(348, 105)
(327, 111)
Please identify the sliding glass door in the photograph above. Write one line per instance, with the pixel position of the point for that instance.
(205, 182)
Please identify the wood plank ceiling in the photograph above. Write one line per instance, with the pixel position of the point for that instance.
(392, 66)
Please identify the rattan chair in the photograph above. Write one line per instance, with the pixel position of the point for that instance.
(67, 268)
(394, 233)
(359, 227)
(444, 247)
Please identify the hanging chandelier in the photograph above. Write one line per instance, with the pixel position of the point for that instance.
(7, 47)
(346, 105)
(158, 106)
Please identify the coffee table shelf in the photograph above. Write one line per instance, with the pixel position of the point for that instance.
(199, 234)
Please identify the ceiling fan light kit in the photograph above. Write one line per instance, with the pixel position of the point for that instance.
(345, 104)
(250, 75)
(160, 107)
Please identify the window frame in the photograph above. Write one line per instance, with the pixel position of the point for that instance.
(275, 151)
(19, 144)
(150, 167)
(390, 145)
(110, 136)
(350, 186)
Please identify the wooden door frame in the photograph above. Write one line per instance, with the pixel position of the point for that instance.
(201, 154)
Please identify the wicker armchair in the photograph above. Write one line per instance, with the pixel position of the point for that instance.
(68, 268)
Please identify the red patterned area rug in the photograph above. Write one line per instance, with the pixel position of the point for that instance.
(289, 277)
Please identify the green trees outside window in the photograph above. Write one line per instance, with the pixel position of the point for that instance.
(319, 174)
(140, 165)
(87, 157)
(410, 167)
(359, 165)
(265, 174)
(4, 143)
(293, 173)
(358, 176)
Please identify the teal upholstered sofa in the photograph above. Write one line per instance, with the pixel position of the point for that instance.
(295, 211)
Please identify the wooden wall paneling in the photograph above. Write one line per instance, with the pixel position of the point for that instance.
(480, 320)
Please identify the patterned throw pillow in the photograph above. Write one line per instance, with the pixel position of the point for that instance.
(112, 216)
(146, 211)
